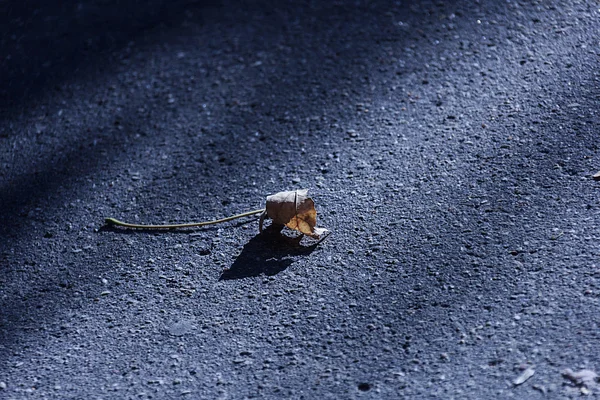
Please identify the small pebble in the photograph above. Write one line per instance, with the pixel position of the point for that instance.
(180, 328)
(525, 375)
(585, 391)
(2, 385)
(540, 388)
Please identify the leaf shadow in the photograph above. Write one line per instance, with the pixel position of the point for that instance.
(268, 253)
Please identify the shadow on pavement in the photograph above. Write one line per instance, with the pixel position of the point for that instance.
(269, 253)
(45, 42)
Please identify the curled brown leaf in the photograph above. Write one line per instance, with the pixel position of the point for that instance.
(295, 210)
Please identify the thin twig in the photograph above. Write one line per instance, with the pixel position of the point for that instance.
(116, 222)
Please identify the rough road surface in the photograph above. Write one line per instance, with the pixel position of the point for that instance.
(449, 147)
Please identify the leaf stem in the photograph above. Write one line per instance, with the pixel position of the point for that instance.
(116, 222)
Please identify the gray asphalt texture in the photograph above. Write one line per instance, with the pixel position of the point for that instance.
(449, 146)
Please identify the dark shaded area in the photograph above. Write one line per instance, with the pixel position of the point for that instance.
(44, 42)
(268, 253)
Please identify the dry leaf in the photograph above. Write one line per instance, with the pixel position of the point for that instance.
(295, 210)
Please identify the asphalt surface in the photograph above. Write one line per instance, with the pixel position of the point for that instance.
(449, 146)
